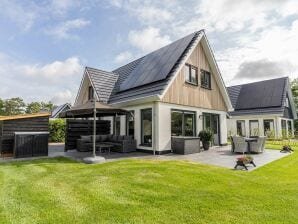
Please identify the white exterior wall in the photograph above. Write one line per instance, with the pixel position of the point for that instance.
(164, 124)
(232, 128)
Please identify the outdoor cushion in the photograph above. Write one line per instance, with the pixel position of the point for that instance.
(86, 138)
(126, 137)
(109, 137)
(120, 138)
(114, 138)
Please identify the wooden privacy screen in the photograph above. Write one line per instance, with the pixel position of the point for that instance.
(27, 124)
(76, 128)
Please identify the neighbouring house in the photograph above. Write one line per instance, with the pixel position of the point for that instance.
(176, 90)
(264, 108)
(59, 109)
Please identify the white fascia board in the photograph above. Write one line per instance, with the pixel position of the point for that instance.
(251, 116)
(79, 91)
(214, 67)
(92, 84)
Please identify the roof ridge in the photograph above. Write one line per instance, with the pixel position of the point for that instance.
(100, 70)
(266, 80)
(195, 33)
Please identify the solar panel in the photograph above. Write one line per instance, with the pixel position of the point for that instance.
(157, 65)
(261, 94)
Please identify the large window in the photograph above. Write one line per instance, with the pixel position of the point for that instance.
(289, 128)
(284, 128)
(254, 128)
(90, 93)
(205, 79)
(117, 125)
(130, 124)
(240, 127)
(146, 126)
(269, 128)
(191, 74)
(183, 123)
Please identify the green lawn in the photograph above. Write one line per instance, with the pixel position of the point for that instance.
(278, 144)
(142, 191)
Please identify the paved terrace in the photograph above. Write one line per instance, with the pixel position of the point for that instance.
(217, 156)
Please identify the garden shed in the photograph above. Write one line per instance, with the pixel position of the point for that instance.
(24, 135)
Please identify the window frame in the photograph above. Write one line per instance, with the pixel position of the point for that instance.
(142, 127)
(268, 120)
(127, 125)
(189, 77)
(242, 122)
(183, 112)
(90, 93)
(203, 75)
(250, 132)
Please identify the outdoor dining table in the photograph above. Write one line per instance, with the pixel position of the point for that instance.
(249, 140)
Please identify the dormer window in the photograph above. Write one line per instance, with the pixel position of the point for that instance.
(205, 79)
(90, 93)
(191, 74)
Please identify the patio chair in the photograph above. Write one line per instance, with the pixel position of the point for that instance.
(240, 145)
(259, 145)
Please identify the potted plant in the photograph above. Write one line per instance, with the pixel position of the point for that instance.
(206, 136)
(244, 160)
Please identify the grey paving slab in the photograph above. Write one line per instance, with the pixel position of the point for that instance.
(217, 156)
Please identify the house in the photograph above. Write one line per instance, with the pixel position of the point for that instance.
(176, 90)
(262, 108)
(57, 110)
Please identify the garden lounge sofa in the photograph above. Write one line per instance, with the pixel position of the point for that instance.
(121, 143)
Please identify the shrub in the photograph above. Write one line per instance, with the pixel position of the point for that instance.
(206, 135)
(57, 130)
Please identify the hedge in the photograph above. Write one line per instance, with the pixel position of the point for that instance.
(57, 130)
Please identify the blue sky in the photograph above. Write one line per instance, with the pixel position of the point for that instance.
(44, 45)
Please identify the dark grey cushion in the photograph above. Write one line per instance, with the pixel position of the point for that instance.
(127, 137)
(109, 137)
(114, 138)
(86, 138)
(120, 138)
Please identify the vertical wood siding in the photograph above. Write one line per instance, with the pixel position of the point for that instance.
(196, 96)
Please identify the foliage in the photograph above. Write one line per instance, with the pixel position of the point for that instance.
(278, 144)
(57, 130)
(15, 106)
(294, 88)
(245, 159)
(33, 107)
(206, 135)
(60, 190)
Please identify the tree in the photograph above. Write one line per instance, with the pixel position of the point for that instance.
(1, 107)
(294, 88)
(14, 106)
(34, 107)
(47, 106)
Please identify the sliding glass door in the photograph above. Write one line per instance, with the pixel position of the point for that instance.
(183, 123)
(240, 127)
(211, 121)
(146, 127)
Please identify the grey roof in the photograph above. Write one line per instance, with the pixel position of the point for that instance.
(264, 97)
(103, 82)
(57, 110)
(149, 75)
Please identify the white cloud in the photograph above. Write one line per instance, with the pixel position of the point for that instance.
(62, 97)
(65, 29)
(22, 15)
(148, 12)
(276, 45)
(148, 39)
(61, 7)
(40, 82)
(123, 57)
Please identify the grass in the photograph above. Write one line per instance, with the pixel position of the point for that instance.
(143, 191)
(278, 144)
